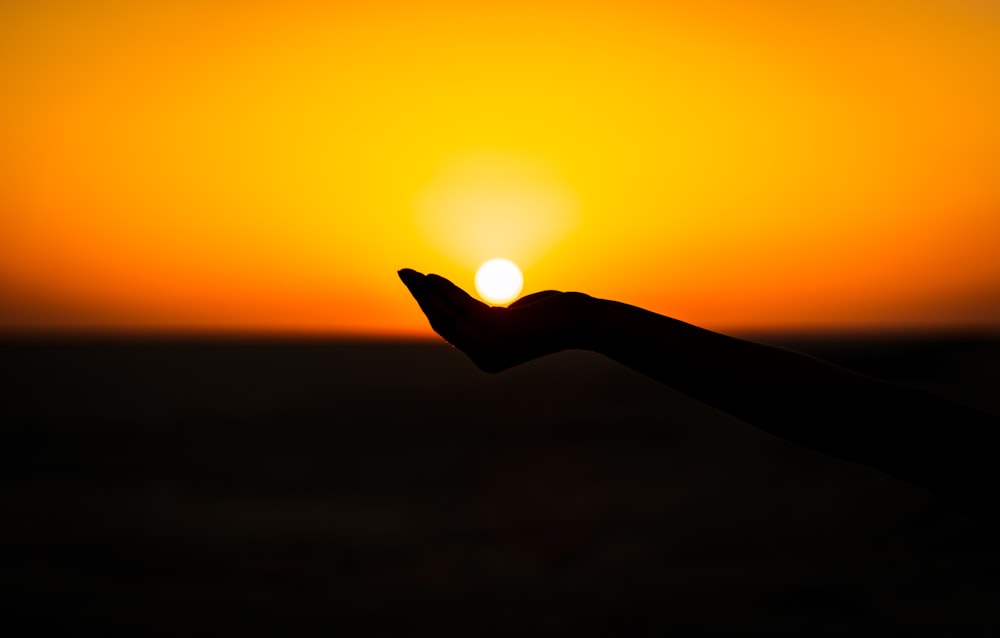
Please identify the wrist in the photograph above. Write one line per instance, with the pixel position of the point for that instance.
(589, 318)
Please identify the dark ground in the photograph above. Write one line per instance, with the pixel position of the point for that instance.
(287, 488)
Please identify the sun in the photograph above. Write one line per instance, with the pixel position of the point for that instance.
(499, 281)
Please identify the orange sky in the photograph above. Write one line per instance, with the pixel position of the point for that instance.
(269, 166)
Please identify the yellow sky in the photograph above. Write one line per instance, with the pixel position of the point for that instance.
(269, 166)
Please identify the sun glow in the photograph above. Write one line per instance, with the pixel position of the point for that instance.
(199, 165)
(499, 281)
(490, 202)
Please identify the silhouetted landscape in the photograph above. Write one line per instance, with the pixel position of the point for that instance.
(277, 487)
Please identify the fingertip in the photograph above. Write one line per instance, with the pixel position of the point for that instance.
(413, 280)
(415, 283)
(407, 273)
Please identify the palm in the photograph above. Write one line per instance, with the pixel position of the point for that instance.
(497, 338)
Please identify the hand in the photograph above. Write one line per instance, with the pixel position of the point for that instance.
(944, 447)
(497, 338)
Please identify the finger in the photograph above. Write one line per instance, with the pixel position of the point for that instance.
(462, 301)
(429, 301)
(414, 282)
(453, 314)
(411, 279)
(533, 297)
(405, 273)
(444, 318)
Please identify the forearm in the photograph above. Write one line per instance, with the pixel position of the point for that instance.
(946, 448)
(786, 393)
(908, 433)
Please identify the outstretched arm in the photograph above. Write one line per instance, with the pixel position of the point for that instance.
(941, 446)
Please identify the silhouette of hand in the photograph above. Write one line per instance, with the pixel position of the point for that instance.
(497, 338)
(945, 447)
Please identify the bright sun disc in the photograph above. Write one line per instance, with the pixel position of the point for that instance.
(499, 281)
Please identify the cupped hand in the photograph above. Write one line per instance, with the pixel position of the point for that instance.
(497, 338)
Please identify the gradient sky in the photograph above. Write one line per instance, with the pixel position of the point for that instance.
(264, 166)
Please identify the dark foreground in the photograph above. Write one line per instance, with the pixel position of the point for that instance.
(264, 488)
